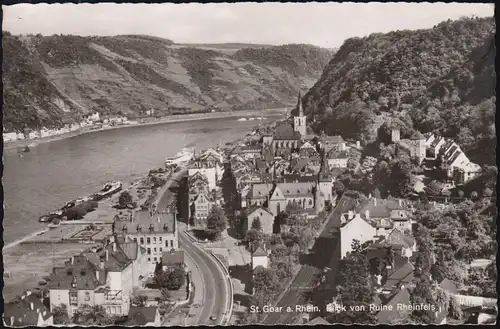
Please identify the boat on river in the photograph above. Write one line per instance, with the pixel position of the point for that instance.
(48, 218)
(180, 158)
(107, 190)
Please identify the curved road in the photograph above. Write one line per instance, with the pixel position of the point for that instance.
(215, 284)
(213, 280)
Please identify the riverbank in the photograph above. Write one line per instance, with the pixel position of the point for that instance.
(9, 146)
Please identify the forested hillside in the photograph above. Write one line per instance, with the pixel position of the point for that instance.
(438, 80)
(53, 80)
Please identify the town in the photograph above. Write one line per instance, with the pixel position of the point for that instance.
(288, 219)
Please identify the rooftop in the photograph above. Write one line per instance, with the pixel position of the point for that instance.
(159, 222)
(173, 257)
(285, 131)
(140, 316)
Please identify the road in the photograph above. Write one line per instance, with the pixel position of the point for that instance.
(212, 279)
(309, 273)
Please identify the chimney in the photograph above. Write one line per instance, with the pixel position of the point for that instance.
(107, 255)
(367, 214)
(32, 306)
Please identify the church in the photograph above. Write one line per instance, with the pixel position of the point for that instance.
(287, 136)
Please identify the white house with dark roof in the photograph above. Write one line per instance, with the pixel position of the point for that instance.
(337, 159)
(155, 231)
(354, 227)
(200, 206)
(260, 257)
(404, 244)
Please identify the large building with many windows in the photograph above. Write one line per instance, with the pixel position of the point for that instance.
(154, 231)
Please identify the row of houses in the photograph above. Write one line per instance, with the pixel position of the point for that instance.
(458, 167)
(89, 121)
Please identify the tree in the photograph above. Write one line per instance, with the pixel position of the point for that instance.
(172, 279)
(434, 188)
(354, 288)
(253, 239)
(473, 195)
(61, 314)
(454, 310)
(139, 301)
(87, 315)
(216, 223)
(124, 199)
(460, 193)
(339, 188)
(256, 224)
(487, 192)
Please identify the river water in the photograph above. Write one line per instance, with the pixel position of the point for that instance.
(56, 172)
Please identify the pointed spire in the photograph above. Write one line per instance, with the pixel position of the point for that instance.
(301, 111)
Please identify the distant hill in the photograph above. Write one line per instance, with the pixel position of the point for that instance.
(53, 80)
(438, 80)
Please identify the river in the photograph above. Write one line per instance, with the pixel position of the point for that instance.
(56, 172)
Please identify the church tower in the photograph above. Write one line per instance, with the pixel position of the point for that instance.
(299, 121)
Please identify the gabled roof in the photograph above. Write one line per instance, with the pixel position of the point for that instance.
(160, 222)
(259, 252)
(319, 320)
(253, 210)
(402, 275)
(332, 139)
(285, 131)
(448, 286)
(140, 316)
(23, 314)
(381, 208)
(81, 272)
(398, 238)
(296, 189)
(334, 154)
(260, 190)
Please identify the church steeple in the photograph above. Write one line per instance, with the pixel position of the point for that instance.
(301, 110)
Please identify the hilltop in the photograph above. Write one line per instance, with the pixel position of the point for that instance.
(53, 80)
(438, 80)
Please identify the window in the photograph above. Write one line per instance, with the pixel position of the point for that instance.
(161, 249)
(149, 259)
(148, 240)
(135, 239)
(87, 296)
(154, 249)
(166, 243)
(310, 202)
(119, 309)
(159, 239)
(142, 240)
(154, 239)
(149, 251)
(155, 259)
(172, 243)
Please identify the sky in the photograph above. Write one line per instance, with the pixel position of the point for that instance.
(322, 24)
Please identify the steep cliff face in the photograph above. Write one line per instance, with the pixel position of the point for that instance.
(438, 80)
(50, 81)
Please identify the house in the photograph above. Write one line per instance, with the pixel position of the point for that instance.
(209, 173)
(102, 278)
(198, 183)
(464, 172)
(155, 231)
(209, 163)
(260, 257)
(244, 192)
(318, 321)
(354, 227)
(200, 206)
(402, 243)
(144, 317)
(325, 184)
(416, 147)
(265, 217)
(138, 256)
(434, 144)
(398, 278)
(29, 311)
(337, 159)
(332, 143)
(307, 150)
(172, 257)
(385, 214)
